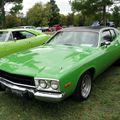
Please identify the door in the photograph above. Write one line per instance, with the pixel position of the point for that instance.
(107, 54)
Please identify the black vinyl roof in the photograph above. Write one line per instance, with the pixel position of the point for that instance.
(89, 28)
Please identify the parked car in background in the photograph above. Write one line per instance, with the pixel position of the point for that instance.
(26, 27)
(65, 66)
(56, 27)
(110, 24)
(97, 23)
(43, 29)
(15, 40)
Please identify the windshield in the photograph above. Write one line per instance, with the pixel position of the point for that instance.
(81, 38)
(3, 36)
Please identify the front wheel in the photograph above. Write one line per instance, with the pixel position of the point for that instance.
(84, 86)
(117, 62)
(2, 88)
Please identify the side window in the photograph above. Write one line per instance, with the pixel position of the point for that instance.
(113, 34)
(27, 34)
(17, 35)
(106, 35)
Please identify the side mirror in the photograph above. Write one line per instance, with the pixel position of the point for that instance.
(105, 43)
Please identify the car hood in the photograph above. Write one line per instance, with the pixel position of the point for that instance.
(45, 61)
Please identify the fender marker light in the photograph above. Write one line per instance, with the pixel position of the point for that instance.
(67, 84)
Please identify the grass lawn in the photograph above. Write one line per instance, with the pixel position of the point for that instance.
(103, 104)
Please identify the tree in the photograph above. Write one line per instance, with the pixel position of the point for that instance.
(102, 4)
(47, 14)
(55, 16)
(2, 9)
(15, 10)
(78, 20)
(10, 19)
(116, 15)
(90, 7)
(63, 20)
(70, 19)
(39, 15)
(35, 15)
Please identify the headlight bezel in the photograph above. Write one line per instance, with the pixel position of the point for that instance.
(53, 83)
(43, 84)
(48, 82)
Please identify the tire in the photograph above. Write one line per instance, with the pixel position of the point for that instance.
(84, 86)
(2, 88)
(117, 63)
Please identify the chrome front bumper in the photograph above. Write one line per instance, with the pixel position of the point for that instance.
(41, 95)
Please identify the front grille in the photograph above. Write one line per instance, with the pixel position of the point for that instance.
(20, 79)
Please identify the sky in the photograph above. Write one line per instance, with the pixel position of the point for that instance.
(62, 4)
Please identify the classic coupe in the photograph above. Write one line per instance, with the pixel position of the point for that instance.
(15, 40)
(66, 65)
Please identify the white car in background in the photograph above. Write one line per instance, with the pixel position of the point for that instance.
(26, 27)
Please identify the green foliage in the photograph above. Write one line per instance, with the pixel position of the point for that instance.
(9, 1)
(2, 9)
(70, 19)
(0, 19)
(79, 20)
(55, 16)
(35, 14)
(15, 10)
(43, 15)
(90, 7)
(46, 14)
(10, 19)
(39, 15)
(116, 15)
(84, 13)
(63, 20)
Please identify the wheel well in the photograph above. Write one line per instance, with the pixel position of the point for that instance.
(92, 71)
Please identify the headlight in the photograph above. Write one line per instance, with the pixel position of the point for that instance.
(47, 85)
(54, 85)
(43, 84)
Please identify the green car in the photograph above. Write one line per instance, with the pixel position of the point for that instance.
(15, 40)
(66, 65)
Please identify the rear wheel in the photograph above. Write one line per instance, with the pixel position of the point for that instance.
(84, 86)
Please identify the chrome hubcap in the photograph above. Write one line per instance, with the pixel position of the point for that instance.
(86, 86)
